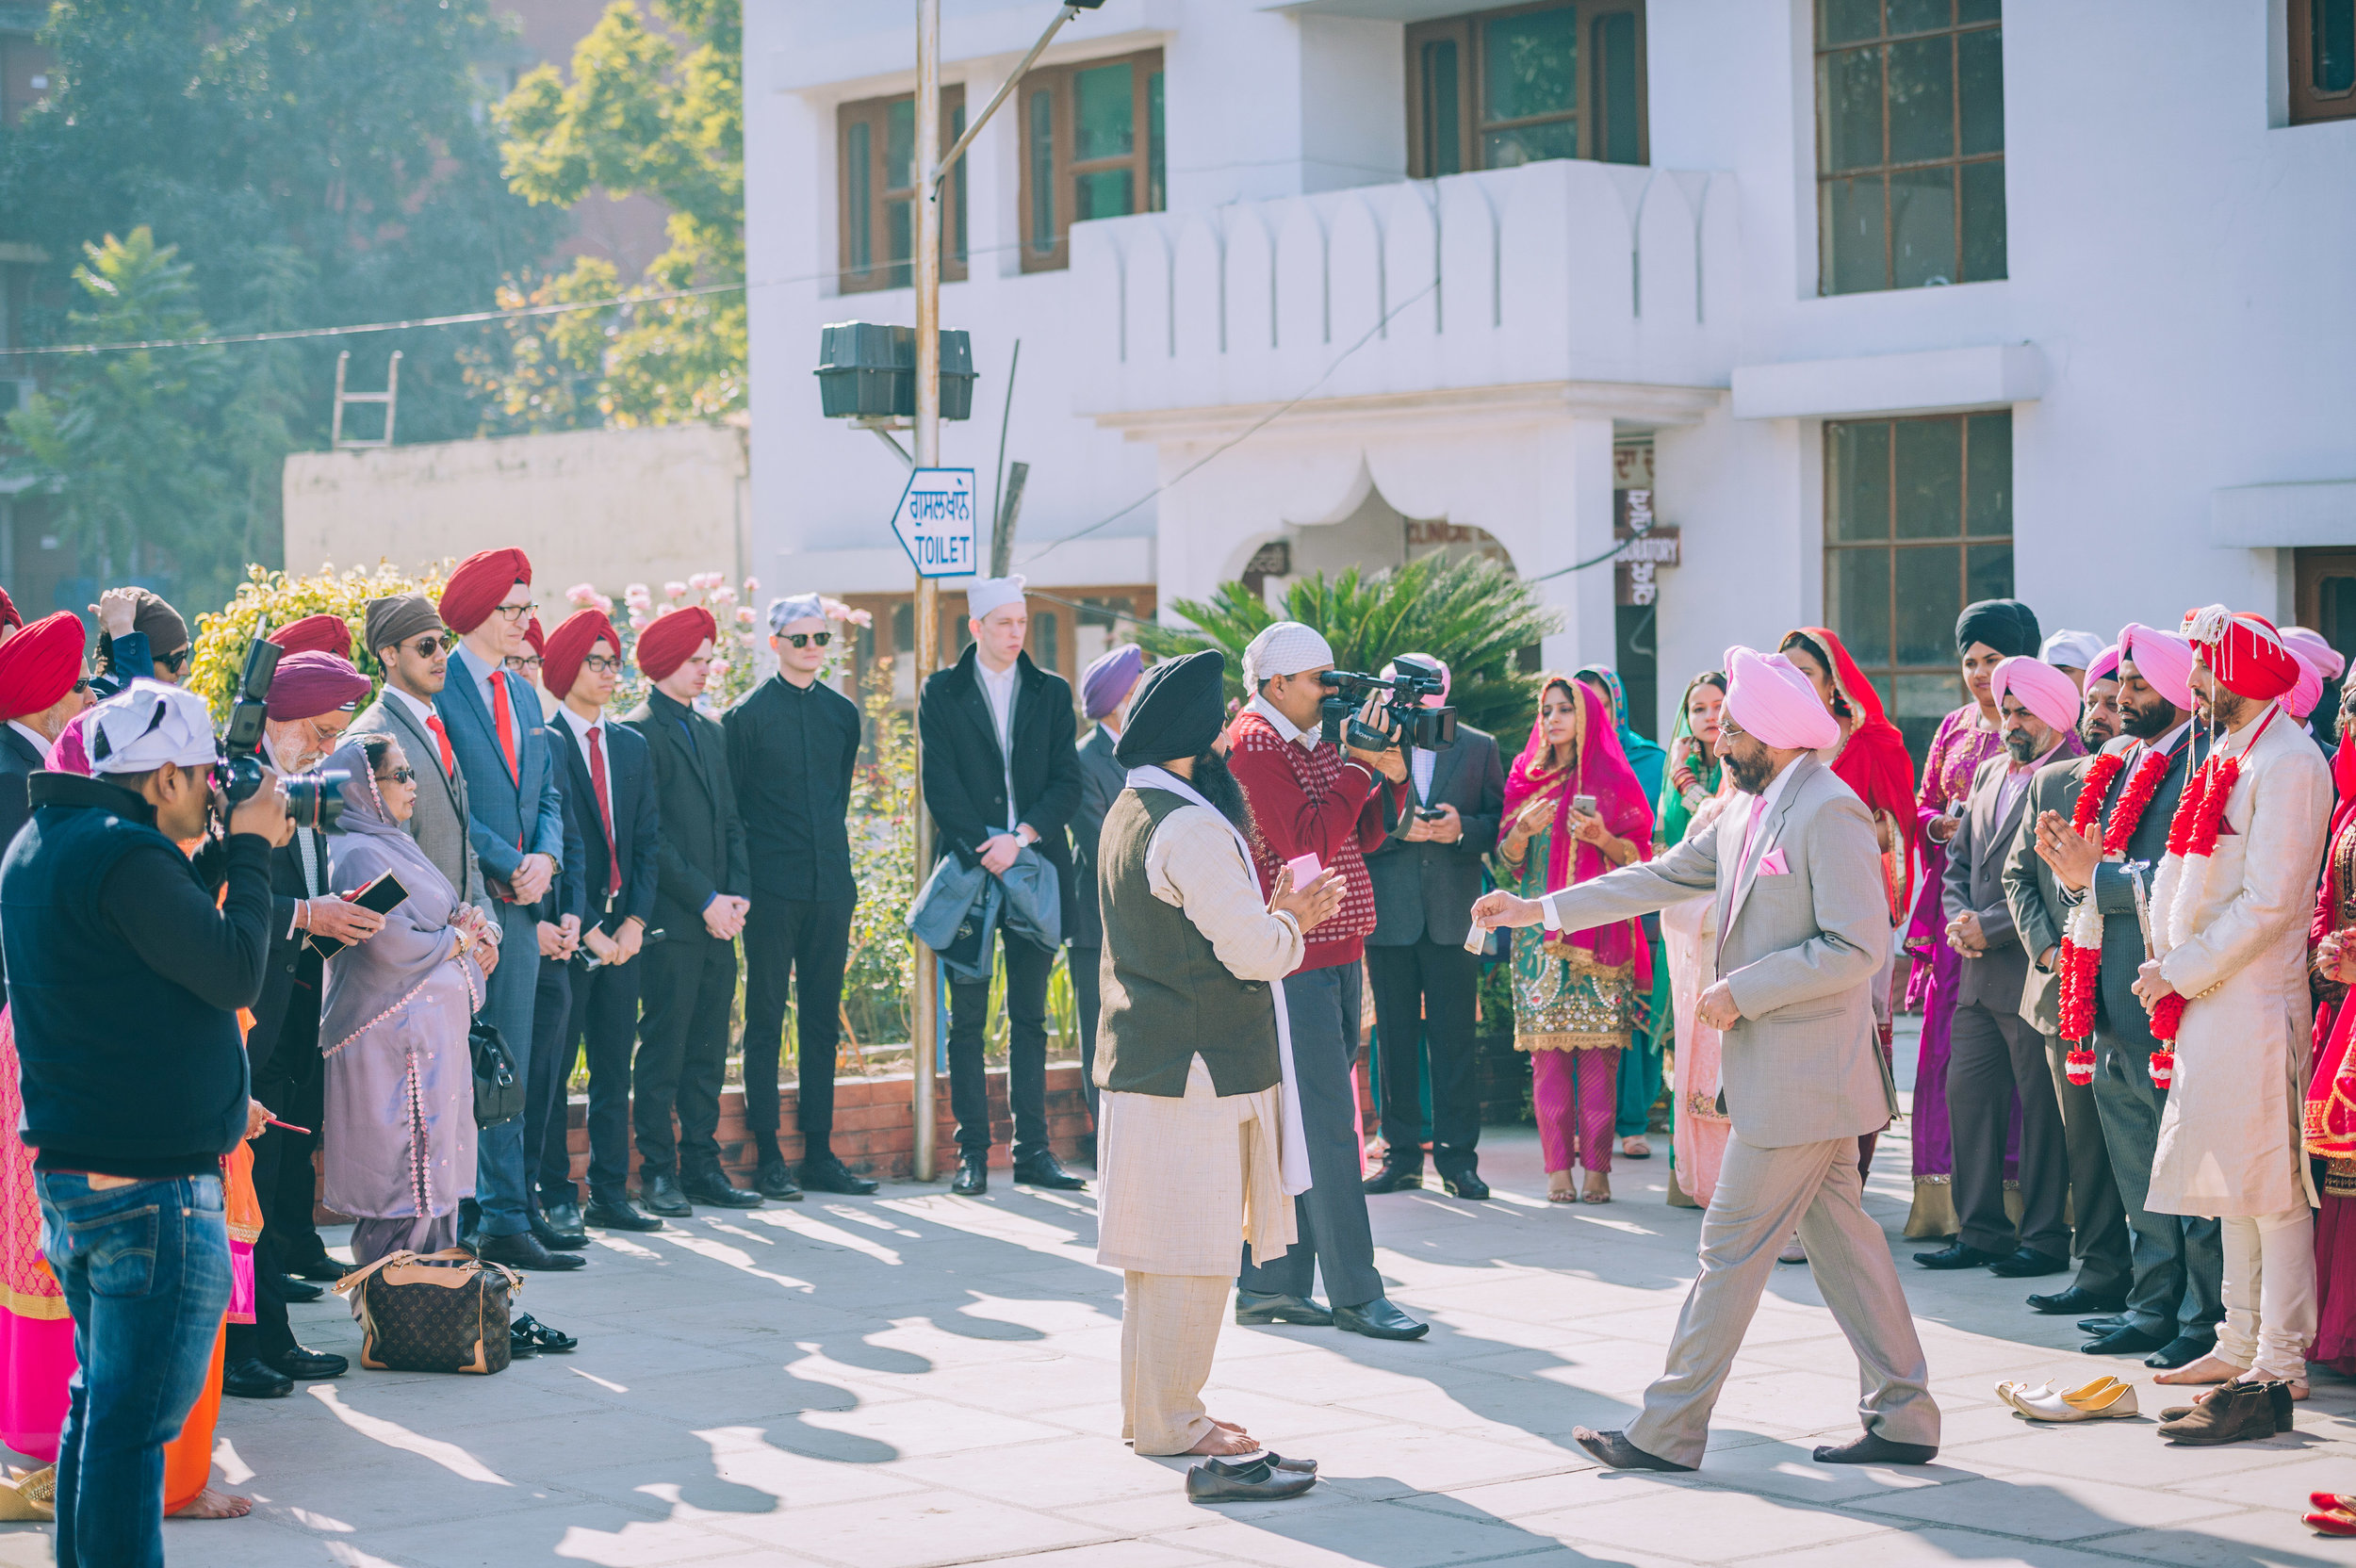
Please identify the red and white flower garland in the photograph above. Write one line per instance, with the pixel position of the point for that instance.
(2080, 963)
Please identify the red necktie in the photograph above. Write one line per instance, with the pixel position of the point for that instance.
(605, 809)
(503, 720)
(441, 738)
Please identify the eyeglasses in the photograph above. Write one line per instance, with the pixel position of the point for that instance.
(522, 663)
(175, 663)
(426, 648)
(401, 776)
(598, 664)
(804, 639)
(513, 615)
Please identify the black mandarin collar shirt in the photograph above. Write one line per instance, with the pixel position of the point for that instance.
(793, 751)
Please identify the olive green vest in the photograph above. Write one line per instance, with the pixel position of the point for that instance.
(1167, 996)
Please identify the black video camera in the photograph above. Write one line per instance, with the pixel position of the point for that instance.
(313, 799)
(1413, 725)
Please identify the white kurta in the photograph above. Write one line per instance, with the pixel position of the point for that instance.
(2229, 1140)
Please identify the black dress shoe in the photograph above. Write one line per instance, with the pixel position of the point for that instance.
(523, 1250)
(309, 1365)
(1874, 1448)
(1258, 1481)
(319, 1266)
(2028, 1264)
(776, 1179)
(553, 1238)
(2181, 1351)
(2076, 1299)
(1043, 1169)
(1956, 1255)
(564, 1217)
(973, 1178)
(1259, 1308)
(1378, 1319)
(1614, 1451)
(2122, 1342)
(828, 1174)
(661, 1194)
(293, 1287)
(618, 1214)
(254, 1379)
(1395, 1175)
(2098, 1327)
(1464, 1184)
(713, 1190)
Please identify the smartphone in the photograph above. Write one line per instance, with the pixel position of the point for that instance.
(384, 895)
(1585, 804)
(1304, 868)
(1430, 813)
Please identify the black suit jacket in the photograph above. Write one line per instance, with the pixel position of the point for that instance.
(637, 820)
(1427, 889)
(1102, 779)
(569, 894)
(965, 774)
(2121, 1014)
(19, 761)
(1974, 880)
(290, 956)
(700, 850)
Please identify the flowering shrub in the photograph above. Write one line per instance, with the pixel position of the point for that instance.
(222, 636)
(739, 653)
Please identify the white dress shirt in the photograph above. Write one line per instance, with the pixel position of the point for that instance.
(582, 730)
(1421, 763)
(998, 691)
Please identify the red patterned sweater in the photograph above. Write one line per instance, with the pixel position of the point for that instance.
(1311, 800)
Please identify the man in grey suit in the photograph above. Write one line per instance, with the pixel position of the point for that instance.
(1803, 930)
(412, 645)
(1105, 688)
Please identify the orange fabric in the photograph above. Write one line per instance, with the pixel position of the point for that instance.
(189, 1458)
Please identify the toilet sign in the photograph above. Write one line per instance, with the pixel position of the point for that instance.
(935, 522)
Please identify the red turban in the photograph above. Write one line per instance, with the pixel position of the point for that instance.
(39, 664)
(316, 634)
(9, 615)
(664, 645)
(2243, 651)
(571, 642)
(310, 683)
(479, 582)
(536, 638)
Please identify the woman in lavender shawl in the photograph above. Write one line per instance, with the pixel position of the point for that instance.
(401, 1132)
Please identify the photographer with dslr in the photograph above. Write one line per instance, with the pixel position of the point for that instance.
(1311, 799)
(125, 981)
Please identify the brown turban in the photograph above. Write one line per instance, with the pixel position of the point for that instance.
(39, 664)
(571, 642)
(316, 634)
(479, 582)
(166, 633)
(398, 617)
(664, 645)
(310, 683)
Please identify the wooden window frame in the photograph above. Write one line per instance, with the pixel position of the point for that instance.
(1147, 158)
(2307, 106)
(1956, 158)
(874, 115)
(1466, 32)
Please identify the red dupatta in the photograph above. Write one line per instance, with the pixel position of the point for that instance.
(1873, 762)
(1601, 770)
(2330, 1118)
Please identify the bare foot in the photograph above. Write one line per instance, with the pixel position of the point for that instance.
(2208, 1369)
(1599, 1189)
(1220, 1440)
(1559, 1188)
(212, 1503)
(1229, 1425)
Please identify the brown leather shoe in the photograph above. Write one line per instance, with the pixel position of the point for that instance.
(2235, 1413)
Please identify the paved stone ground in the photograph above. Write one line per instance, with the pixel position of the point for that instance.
(916, 1379)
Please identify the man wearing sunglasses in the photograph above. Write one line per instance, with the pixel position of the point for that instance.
(139, 635)
(792, 746)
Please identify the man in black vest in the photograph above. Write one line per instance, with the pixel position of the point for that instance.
(1426, 874)
(793, 748)
(1104, 689)
(1001, 777)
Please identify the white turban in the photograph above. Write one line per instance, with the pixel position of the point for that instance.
(1768, 697)
(146, 724)
(2049, 696)
(2076, 649)
(2328, 662)
(1286, 647)
(993, 593)
(784, 612)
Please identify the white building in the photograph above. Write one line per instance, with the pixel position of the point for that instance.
(1888, 303)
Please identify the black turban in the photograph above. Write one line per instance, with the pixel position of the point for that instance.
(1178, 710)
(2007, 626)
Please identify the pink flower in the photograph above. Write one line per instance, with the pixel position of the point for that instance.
(583, 593)
(744, 614)
(637, 621)
(719, 669)
(675, 590)
(636, 596)
(707, 581)
(752, 586)
(720, 593)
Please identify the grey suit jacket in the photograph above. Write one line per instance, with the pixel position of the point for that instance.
(439, 824)
(1102, 779)
(1427, 889)
(2033, 895)
(1975, 881)
(1801, 950)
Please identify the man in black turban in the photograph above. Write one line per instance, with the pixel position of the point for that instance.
(1177, 713)
(2007, 626)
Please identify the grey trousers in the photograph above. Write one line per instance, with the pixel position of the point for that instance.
(2104, 1266)
(1335, 1237)
(2179, 1260)
(1993, 1056)
(1761, 1194)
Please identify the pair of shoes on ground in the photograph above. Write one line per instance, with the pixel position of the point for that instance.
(2234, 1411)
(524, 1250)
(2025, 1264)
(2104, 1400)
(1376, 1319)
(2116, 1337)
(674, 1197)
(1615, 1452)
(528, 1336)
(1256, 1478)
(559, 1225)
(2334, 1513)
(256, 1377)
(1397, 1176)
(782, 1182)
(1041, 1169)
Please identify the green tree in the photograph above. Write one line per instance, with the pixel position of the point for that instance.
(641, 115)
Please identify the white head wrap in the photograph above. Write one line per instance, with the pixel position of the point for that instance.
(146, 724)
(2077, 649)
(784, 612)
(1286, 647)
(993, 593)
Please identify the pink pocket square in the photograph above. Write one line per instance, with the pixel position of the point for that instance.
(1774, 864)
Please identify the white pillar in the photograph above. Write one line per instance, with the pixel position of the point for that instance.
(1573, 507)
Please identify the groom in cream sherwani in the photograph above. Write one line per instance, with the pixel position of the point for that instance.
(1804, 929)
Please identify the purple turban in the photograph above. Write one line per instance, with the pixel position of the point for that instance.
(1108, 678)
(2049, 696)
(308, 684)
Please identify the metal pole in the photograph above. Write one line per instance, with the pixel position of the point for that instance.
(926, 1014)
(974, 128)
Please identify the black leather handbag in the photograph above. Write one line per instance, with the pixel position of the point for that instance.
(498, 1088)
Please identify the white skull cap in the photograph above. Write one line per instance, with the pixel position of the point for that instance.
(1287, 648)
(146, 724)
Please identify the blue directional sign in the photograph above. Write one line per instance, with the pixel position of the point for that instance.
(935, 522)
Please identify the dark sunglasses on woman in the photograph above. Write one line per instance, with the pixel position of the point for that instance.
(401, 776)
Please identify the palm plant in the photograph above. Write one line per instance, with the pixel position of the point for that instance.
(1467, 610)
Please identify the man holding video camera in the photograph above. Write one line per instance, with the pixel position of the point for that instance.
(1314, 800)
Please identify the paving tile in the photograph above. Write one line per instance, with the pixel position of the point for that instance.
(1942, 1548)
(1701, 1523)
(1384, 1533)
(2271, 1536)
(935, 1526)
(2043, 1508)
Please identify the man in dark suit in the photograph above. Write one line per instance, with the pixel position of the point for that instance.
(1105, 688)
(1426, 874)
(792, 747)
(607, 770)
(1001, 775)
(1998, 1058)
(2176, 1300)
(554, 1211)
(702, 880)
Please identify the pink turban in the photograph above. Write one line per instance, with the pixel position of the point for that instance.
(2328, 662)
(2044, 690)
(309, 683)
(2305, 692)
(1769, 697)
(2243, 652)
(2105, 665)
(2162, 658)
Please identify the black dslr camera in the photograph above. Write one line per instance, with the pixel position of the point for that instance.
(313, 799)
(1413, 725)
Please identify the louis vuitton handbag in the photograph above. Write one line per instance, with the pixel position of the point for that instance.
(437, 1311)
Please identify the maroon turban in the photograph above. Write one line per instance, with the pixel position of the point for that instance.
(315, 634)
(39, 664)
(479, 582)
(310, 683)
(571, 642)
(9, 615)
(537, 640)
(664, 645)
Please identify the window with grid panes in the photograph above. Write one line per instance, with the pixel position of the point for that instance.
(1493, 89)
(2322, 39)
(1092, 147)
(1910, 143)
(877, 220)
(1918, 523)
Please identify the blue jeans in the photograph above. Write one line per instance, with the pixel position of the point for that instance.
(145, 1269)
(502, 1175)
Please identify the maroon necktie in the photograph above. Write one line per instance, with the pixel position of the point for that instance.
(605, 811)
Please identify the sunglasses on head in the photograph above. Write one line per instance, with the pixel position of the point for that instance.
(804, 639)
(401, 776)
